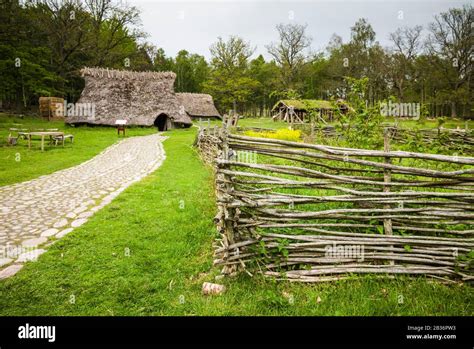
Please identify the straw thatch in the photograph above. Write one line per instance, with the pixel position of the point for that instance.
(198, 105)
(138, 97)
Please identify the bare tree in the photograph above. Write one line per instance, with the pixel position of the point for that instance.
(335, 43)
(451, 39)
(407, 44)
(407, 41)
(288, 52)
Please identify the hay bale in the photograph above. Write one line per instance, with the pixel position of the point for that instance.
(51, 107)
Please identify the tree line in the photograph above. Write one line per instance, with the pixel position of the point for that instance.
(45, 43)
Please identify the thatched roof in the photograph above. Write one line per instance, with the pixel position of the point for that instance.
(138, 97)
(304, 104)
(198, 105)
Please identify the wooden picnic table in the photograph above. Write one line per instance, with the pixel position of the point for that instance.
(44, 134)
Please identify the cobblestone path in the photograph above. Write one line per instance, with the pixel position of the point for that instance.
(35, 213)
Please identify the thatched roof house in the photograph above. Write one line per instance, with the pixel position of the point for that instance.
(198, 105)
(141, 98)
(297, 110)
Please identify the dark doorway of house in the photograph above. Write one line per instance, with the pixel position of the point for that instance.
(161, 122)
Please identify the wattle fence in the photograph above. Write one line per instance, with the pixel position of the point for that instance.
(310, 213)
(453, 139)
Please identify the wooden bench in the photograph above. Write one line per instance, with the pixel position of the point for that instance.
(12, 140)
(58, 139)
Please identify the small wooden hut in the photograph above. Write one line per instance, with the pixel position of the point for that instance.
(297, 110)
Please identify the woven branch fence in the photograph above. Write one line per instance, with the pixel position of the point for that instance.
(207, 142)
(452, 139)
(310, 213)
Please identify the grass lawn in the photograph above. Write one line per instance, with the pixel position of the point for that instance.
(405, 123)
(262, 123)
(433, 123)
(18, 163)
(149, 252)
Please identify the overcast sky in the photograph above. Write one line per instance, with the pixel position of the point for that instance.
(195, 25)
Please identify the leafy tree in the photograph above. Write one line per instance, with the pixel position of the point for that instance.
(191, 71)
(161, 62)
(24, 65)
(231, 55)
(266, 73)
(45, 43)
(229, 81)
(114, 24)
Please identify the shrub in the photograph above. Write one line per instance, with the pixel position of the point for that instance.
(282, 134)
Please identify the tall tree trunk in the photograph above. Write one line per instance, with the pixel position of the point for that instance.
(453, 110)
(23, 91)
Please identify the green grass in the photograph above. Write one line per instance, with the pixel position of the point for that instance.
(166, 223)
(246, 122)
(19, 163)
(432, 123)
(262, 123)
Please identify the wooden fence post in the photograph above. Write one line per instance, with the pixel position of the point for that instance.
(227, 214)
(387, 177)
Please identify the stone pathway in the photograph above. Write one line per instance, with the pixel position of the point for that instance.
(35, 213)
